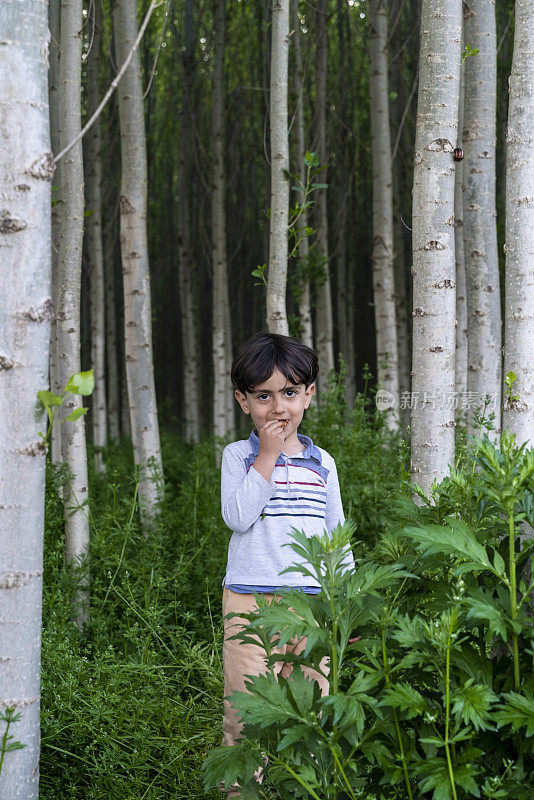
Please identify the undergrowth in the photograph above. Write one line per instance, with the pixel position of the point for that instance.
(131, 706)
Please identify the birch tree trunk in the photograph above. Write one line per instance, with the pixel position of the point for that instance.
(54, 90)
(519, 297)
(276, 283)
(113, 405)
(71, 210)
(26, 169)
(324, 324)
(135, 267)
(220, 313)
(434, 268)
(461, 289)
(191, 410)
(305, 317)
(95, 253)
(480, 229)
(382, 258)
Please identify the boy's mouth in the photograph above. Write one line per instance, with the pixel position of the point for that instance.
(285, 423)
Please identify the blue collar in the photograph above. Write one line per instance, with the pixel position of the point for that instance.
(310, 450)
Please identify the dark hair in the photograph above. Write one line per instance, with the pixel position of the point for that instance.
(258, 357)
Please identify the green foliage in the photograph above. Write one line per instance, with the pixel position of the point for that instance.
(7, 745)
(430, 696)
(81, 383)
(469, 51)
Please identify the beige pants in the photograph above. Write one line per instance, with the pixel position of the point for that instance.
(240, 659)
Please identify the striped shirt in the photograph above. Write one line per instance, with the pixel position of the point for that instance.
(303, 493)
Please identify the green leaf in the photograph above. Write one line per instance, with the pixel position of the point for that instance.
(456, 539)
(471, 704)
(404, 697)
(481, 607)
(76, 414)
(230, 764)
(81, 383)
(49, 399)
(517, 711)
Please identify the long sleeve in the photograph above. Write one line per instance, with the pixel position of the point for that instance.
(334, 507)
(243, 495)
(334, 513)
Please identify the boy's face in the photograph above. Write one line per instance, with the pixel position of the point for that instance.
(277, 398)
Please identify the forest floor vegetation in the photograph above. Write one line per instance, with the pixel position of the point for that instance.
(434, 700)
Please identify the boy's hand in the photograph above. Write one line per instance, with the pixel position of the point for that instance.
(272, 437)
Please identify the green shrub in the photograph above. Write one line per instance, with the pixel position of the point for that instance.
(435, 697)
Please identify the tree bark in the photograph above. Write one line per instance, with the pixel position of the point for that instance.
(26, 170)
(71, 210)
(54, 91)
(461, 289)
(382, 258)
(519, 297)
(434, 268)
(95, 253)
(480, 230)
(304, 306)
(220, 312)
(324, 324)
(135, 268)
(276, 283)
(191, 411)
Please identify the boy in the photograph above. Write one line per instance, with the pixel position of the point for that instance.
(273, 481)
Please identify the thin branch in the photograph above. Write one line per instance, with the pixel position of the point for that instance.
(153, 5)
(154, 65)
(404, 115)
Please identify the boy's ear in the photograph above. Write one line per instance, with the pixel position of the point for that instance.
(310, 391)
(242, 400)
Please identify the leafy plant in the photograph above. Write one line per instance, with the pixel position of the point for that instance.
(81, 383)
(431, 654)
(6, 744)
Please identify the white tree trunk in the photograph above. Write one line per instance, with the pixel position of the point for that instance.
(383, 263)
(305, 317)
(26, 170)
(324, 324)
(519, 298)
(461, 290)
(480, 229)
(95, 253)
(185, 268)
(135, 267)
(220, 303)
(113, 404)
(276, 283)
(54, 91)
(434, 268)
(71, 211)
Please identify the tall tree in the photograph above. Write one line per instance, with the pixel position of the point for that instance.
(519, 296)
(383, 263)
(95, 252)
(26, 169)
(222, 424)
(277, 279)
(461, 288)
(71, 210)
(480, 229)
(324, 323)
(185, 264)
(135, 266)
(304, 305)
(54, 16)
(434, 268)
